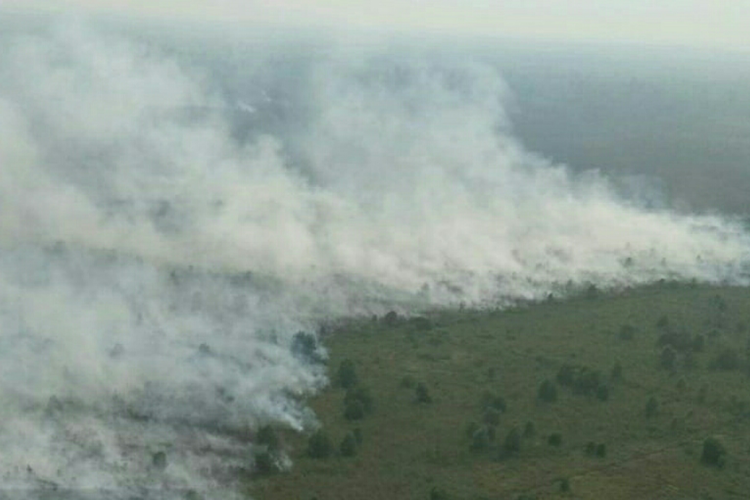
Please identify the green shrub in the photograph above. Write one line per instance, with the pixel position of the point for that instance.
(601, 450)
(438, 494)
(627, 332)
(362, 395)
(616, 373)
(652, 407)
(529, 431)
(602, 393)
(566, 375)
(555, 439)
(668, 358)
(354, 410)
(358, 437)
(512, 443)
(407, 382)
(266, 436)
(390, 319)
(422, 393)
(265, 463)
(159, 460)
(713, 453)
(493, 401)
(319, 445)
(492, 417)
(547, 392)
(726, 360)
(663, 322)
(564, 485)
(347, 374)
(348, 446)
(481, 439)
(590, 448)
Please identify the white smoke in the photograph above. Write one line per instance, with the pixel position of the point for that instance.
(154, 268)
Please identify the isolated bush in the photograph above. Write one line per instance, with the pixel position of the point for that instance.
(564, 485)
(361, 394)
(305, 347)
(319, 445)
(422, 393)
(699, 343)
(547, 392)
(493, 401)
(679, 341)
(407, 382)
(602, 393)
(652, 407)
(627, 332)
(438, 494)
(668, 358)
(492, 417)
(159, 460)
(554, 439)
(529, 431)
(347, 374)
(390, 319)
(662, 322)
(726, 360)
(266, 436)
(354, 410)
(587, 382)
(471, 428)
(616, 373)
(358, 437)
(566, 375)
(601, 450)
(714, 452)
(512, 443)
(590, 448)
(421, 323)
(481, 439)
(348, 446)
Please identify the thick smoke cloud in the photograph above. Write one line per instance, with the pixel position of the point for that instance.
(161, 242)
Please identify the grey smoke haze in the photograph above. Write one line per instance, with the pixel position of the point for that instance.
(161, 240)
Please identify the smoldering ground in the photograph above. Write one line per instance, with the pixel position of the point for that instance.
(164, 238)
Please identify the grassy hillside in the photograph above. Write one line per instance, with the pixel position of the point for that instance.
(684, 348)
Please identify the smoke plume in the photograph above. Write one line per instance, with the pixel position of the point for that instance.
(163, 239)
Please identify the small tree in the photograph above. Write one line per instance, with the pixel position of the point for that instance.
(547, 392)
(555, 439)
(714, 452)
(347, 374)
(601, 450)
(265, 463)
(529, 431)
(602, 393)
(354, 410)
(652, 407)
(319, 445)
(266, 436)
(616, 373)
(512, 443)
(481, 439)
(668, 358)
(422, 393)
(348, 447)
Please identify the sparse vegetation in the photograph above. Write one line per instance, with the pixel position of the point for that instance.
(713, 453)
(547, 392)
(422, 393)
(555, 439)
(319, 445)
(347, 374)
(470, 426)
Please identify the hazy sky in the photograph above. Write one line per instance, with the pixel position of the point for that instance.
(690, 22)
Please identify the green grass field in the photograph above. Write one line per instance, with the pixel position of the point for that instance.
(413, 450)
